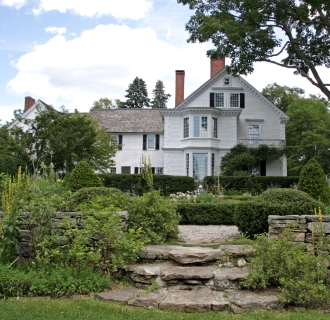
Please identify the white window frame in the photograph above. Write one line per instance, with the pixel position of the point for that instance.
(112, 170)
(227, 81)
(234, 103)
(214, 127)
(200, 126)
(159, 170)
(115, 141)
(254, 137)
(149, 136)
(219, 99)
(186, 127)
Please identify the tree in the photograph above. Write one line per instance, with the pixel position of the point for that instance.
(312, 181)
(160, 98)
(307, 134)
(282, 96)
(103, 103)
(66, 138)
(137, 94)
(265, 30)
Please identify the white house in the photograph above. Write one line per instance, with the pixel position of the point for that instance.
(191, 138)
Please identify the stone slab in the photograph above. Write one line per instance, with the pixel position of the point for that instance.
(242, 301)
(120, 295)
(237, 250)
(156, 252)
(310, 218)
(316, 227)
(189, 255)
(171, 273)
(144, 269)
(229, 278)
(150, 300)
(202, 300)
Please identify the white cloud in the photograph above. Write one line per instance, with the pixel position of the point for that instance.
(122, 9)
(13, 3)
(6, 114)
(56, 30)
(102, 63)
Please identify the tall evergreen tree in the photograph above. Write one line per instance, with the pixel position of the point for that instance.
(137, 94)
(160, 98)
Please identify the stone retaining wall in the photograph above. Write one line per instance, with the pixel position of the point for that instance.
(305, 228)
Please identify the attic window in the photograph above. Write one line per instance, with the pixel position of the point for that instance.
(226, 82)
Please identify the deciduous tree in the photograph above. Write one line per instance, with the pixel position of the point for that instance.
(287, 33)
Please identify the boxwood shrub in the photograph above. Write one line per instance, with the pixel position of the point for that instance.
(239, 183)
(206, 213)
(166, 184)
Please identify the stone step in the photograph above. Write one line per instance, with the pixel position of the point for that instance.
(198, 300)
(164, 275)
(195, 255)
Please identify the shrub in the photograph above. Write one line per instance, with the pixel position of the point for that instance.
(301, 277)
(83, 176)
(206, 213)
(155, 215)
(9, 164)
(251, 217)
(312, 180)
(111, 196)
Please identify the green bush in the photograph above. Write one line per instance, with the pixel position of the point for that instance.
(239, 183)
(110, 196)
(301, 277)
(83, 176)
(9, 164)
(155, 215)
(166, 184)
(206, 213)
(312, 181)
(251, 217)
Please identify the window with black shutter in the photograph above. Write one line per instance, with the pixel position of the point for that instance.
(212, 99)
(120, 142)
(144, 146)
(157, 141)
(242, 100)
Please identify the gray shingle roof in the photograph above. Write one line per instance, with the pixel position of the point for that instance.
(130, 120)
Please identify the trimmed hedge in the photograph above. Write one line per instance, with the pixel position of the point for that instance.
(251, 217)
(9, 164)
(206, 213)
(165, 183)
(239, 183)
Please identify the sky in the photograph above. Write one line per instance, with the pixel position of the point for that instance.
(74, 52)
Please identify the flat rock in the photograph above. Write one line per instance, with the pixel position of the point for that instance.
(156, 252)
(144, 269)
(171, 273)
(229, 278)
(325, 218)
(189, 255)
(242, 301)
(121, 295)
(150, 300)
(194, 301)
(237, 250)
(317, 227)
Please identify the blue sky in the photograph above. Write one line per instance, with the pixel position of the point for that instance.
(73, 52)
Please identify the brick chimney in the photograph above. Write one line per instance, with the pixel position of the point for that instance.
(179, 86)
(217, 65)
(29, 102)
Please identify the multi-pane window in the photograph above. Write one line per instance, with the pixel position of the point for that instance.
(115, 141)
(151, 142)
(158, 170)
(212, 164)
(226, 82)
(185, 127)
(219, 100)
(199, 165)
(187, 164)
(200, 126)
(112, 170)
(234, 100)
(254, 133)
(214, 127)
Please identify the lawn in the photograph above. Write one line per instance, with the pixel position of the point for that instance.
(38, 309)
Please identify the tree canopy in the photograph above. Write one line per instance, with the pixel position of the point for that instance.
(160, 98)
(308, 134)
(137, 94)
(107, 104)
(249, 31)
(282, 96)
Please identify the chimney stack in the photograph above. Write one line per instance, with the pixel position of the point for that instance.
(217, 65)
(29, 102)
(179, 86)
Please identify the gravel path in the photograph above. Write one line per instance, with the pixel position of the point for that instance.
(193, 234)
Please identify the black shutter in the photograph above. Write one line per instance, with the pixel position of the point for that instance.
(136, 170)
(144, 146)
(120, 142)
(153, 170)
(212, 99)
(242, 100)
(263, 168)
(157, 141)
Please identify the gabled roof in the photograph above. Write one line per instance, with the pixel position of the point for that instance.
(244, 83)
(129, 120)
(39, 104)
